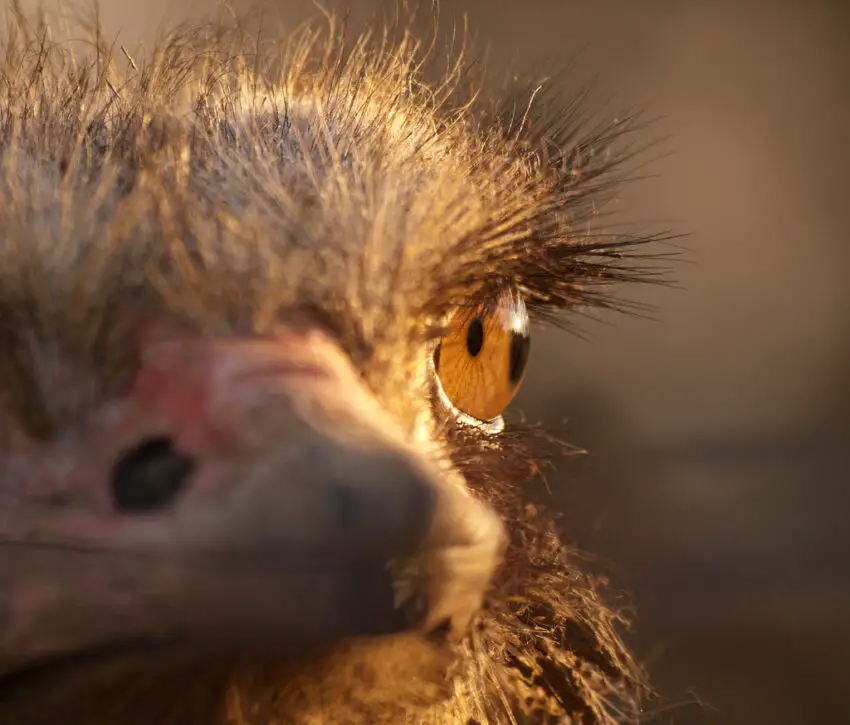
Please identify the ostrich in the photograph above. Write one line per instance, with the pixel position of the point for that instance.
(260, 314)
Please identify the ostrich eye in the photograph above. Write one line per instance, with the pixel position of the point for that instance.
(482, 358)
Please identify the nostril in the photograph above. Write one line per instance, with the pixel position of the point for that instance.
(149, 476)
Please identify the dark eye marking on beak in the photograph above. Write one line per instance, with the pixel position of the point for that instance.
(148, 477)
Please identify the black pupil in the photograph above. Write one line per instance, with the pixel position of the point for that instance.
(475, 337)
(149, 476)
(520, 349)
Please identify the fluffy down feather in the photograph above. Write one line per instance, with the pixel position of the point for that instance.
(227, 183)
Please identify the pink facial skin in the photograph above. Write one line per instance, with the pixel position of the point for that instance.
(305, 516)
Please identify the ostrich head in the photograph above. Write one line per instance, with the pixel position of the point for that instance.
(260, 315)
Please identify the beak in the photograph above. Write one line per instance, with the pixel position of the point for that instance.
(306, 519)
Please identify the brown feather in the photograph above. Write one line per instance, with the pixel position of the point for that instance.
(224, 185)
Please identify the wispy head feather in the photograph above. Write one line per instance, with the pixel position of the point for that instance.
(230, 181)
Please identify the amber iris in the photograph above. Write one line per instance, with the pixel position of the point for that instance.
(482, 358)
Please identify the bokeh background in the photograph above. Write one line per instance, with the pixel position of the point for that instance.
(717, 483)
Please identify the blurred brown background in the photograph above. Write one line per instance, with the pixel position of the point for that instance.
(716, 488)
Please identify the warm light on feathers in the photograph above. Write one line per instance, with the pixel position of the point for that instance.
(227, 184)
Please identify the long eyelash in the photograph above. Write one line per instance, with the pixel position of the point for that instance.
(557, 251)
(549, 238)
